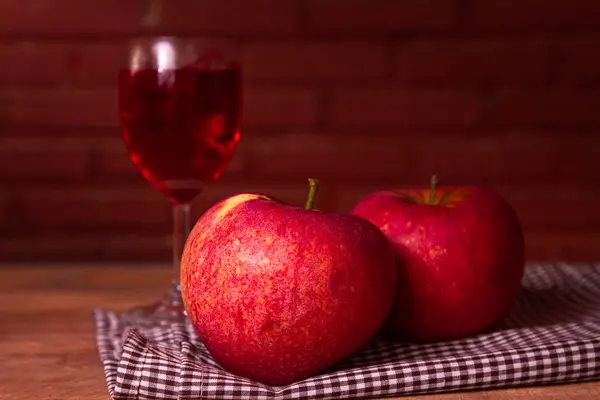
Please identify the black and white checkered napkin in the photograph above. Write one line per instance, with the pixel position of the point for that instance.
(552, 335)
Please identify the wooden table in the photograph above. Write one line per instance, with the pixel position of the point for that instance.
(47, 343)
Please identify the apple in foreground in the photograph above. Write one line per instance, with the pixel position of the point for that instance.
(279, 293)
(461, 257)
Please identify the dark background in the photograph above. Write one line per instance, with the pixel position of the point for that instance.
(364, 94)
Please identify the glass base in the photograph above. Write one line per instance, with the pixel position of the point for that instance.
(167, 311)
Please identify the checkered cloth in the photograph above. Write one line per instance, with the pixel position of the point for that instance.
(552, 335)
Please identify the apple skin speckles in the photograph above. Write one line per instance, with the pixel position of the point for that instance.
(279, 293)
(460, 260)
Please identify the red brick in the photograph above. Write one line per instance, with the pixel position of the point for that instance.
(379, 15)
(3, 209)
(87, 65)
(328, 156)
(268, 106)
(112, 160)
(141, 246)
(59, 107)
(535, 13)
(579, 60)
(230, 16)
(238, 166)
(50, 247)
(506, 158)
(460, 61)
(64, 64)
(70, 17)
(401, 106)
(21, 64)
(58, 132)
(115, 17)
(544, 106)
(90, 208)
(347, 196)
(330, 60)
(96, 64)
(35, 159)
(562, 245)
(86, 246)
(554, 207)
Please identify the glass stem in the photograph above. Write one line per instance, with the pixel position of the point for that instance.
(181, 230)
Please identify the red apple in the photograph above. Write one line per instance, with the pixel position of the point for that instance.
(460, 254)
(279, 293)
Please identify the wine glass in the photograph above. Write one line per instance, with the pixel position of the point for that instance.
(180, 115)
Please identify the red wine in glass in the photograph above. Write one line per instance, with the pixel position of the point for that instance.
(181, 126)
(180, 113)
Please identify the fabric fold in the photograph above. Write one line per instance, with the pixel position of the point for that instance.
(551, 336)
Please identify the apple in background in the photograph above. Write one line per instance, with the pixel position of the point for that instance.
(461, 256)
(279, 293)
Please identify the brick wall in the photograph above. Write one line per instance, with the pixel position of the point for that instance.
(364, 94)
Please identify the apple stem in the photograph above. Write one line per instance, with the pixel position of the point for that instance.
(432, 188)
(312, 194)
